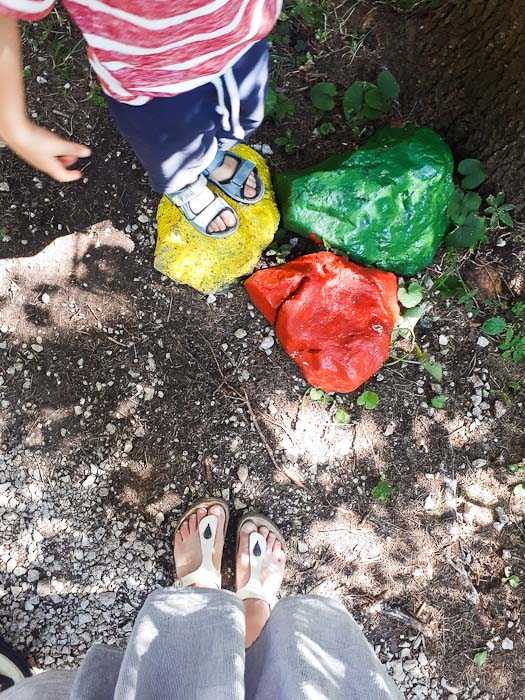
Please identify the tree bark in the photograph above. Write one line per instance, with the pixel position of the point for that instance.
(461, 67)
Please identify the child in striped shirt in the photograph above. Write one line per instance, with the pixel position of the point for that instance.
(184, 82)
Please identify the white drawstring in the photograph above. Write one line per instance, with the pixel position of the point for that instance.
(235, 101)
(222, 105)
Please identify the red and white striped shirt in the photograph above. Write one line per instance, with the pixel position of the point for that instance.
(141, 49)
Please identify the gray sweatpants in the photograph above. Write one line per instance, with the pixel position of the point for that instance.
(188, 644)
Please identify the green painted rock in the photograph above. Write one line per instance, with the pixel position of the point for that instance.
(384, 204)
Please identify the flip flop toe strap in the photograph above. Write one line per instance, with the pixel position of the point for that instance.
(206, 574)
(254, 587)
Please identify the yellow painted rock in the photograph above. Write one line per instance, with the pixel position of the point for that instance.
(207, 264)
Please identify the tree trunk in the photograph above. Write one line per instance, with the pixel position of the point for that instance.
(462, 68)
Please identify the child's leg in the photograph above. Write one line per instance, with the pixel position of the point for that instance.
(175, 140)
(173, 137)
(244, 89)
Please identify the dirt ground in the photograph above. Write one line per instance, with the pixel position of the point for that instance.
(125, 396)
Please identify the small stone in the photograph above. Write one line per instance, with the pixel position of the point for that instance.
(507, 644)
(45, 298)
(302, 547)
(267, 343)
(4, 187)
(242, 473)
(443, 340)
(483, 342)
(33, 575)
(36, 347)
(128, 446)
(140, 432)
(240, 333)
(431, 503)
(111, 429)
(20, 571)
(143, 218)
(159, 518)
(89, 481)
(499, 409)
(479, 463)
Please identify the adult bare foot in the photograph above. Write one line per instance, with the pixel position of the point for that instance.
(227, 170)
(258, 611)
(187, 546)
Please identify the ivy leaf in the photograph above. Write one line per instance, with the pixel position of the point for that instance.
(473, 230)
(480, 657)
(382, 490)
(516, 467)
(353, 99)
(368, 399)
(494, 326)
(409, 318)
(410, 297)
(283, 106)
(439, 401)
(474, 173)
(375, 100)
(388, 85)
(316, 394)
(321, 96)
(341, 417)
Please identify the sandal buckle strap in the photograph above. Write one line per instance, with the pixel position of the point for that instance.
(187, 193)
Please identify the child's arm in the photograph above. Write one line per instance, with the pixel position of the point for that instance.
(39, 147)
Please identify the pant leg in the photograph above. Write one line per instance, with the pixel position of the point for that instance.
(243, 92)
(50, 685)
(186, 644)
(173, 137)
(312, 648)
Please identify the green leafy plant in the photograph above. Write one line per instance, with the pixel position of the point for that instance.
(473, 230)
(508, 577)
(364, 101)
(3, 232)
(382, 490)
(287, 141)
(277, 105)
(499, 211)
(410, 296)
(473, 173)
(435, 369)
(95, 96)
(439, 401)
(326, 128)
(279, 252)
(320, 397)
(342, 417)
(513, 343)
(461, 204)
(368, 399)
(517, 468)
(494, 326)
(480, 657)
(322, 96)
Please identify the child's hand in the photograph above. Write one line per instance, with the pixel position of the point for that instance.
(48, 152)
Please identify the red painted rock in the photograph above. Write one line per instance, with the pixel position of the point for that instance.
(333, 317)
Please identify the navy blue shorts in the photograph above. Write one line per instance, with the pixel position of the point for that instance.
(176, 138)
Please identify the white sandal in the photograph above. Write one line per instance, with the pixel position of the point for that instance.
(257, 548)
(206, 573)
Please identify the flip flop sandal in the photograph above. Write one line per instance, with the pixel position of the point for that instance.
(204, 218)
(257, 547)
(234, 187)
(206, 573)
